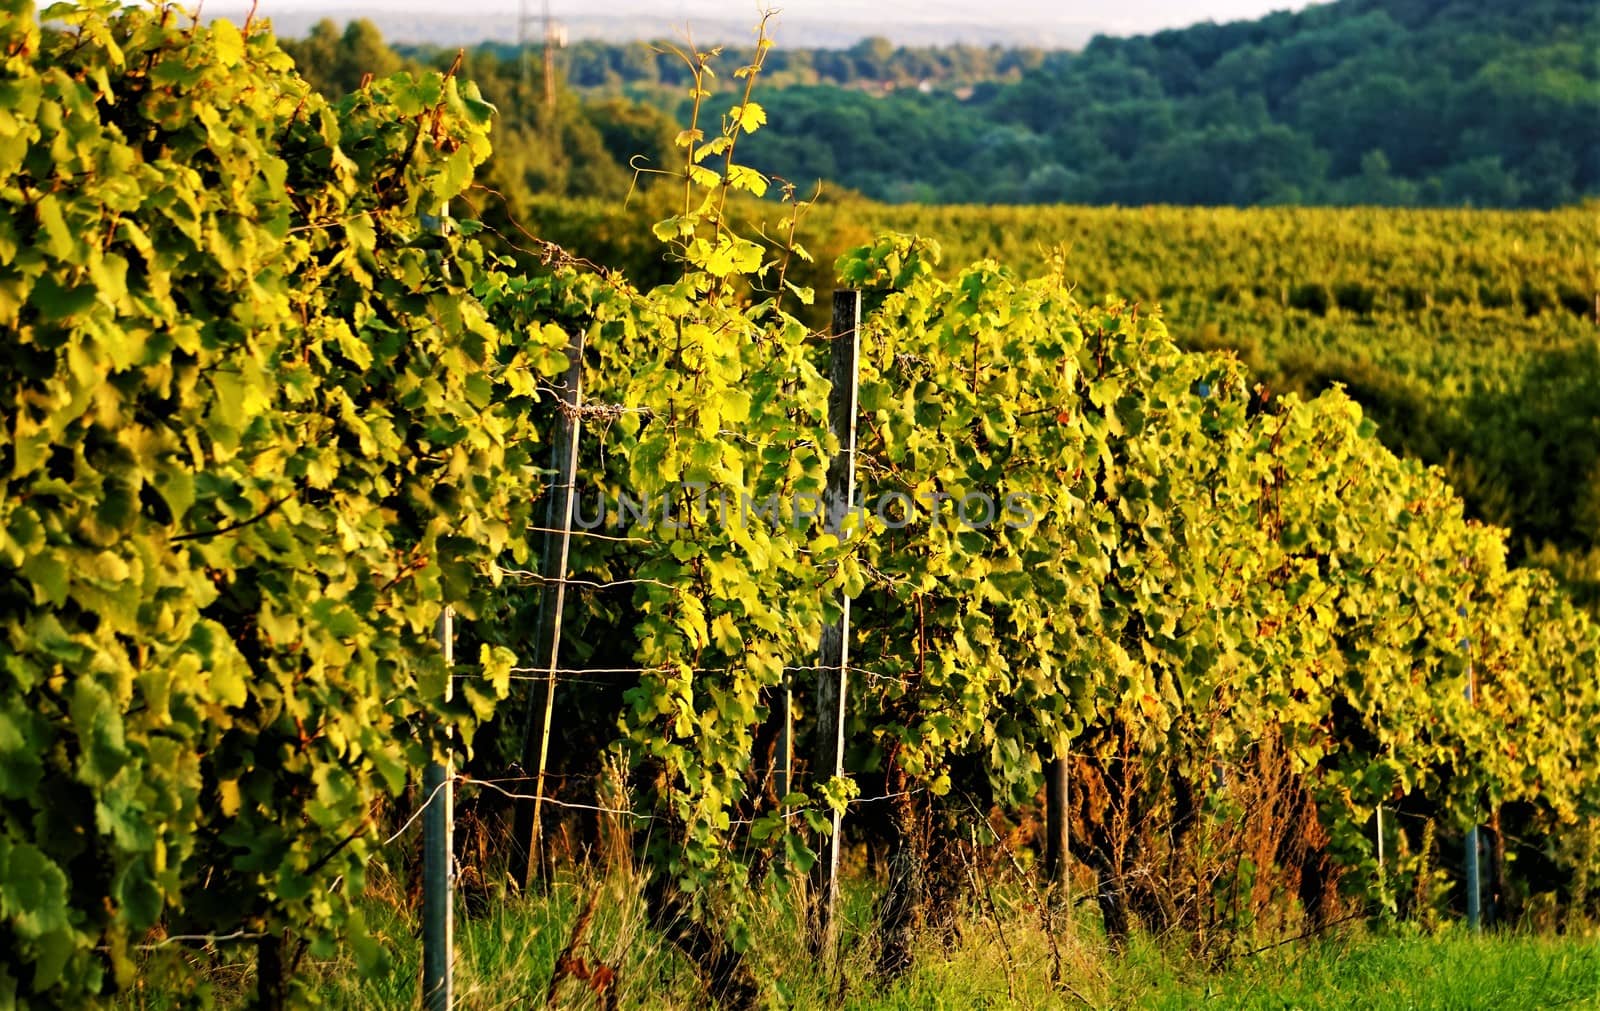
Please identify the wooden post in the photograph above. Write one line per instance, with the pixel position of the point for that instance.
(552, 600)
(834, 649)
(1474, 881)
(1055, 823)
(438, 921)
(1496, 910)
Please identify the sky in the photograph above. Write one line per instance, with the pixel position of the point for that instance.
(1122, 17)
(1130, 15)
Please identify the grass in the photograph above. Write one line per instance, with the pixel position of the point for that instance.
(999, 958)
(1370, 972)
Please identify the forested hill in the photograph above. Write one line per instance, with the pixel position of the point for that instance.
(1360, 101)
(872, 64)
(1390, 102)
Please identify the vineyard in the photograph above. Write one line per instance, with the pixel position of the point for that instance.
(1467, 336)
(1035, 589)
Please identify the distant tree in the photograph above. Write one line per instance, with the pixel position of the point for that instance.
(1482, 181)
(1355, 101)
(872, 58)
(1376, 184)
(632, 131)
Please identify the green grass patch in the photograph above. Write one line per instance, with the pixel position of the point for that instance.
(1456, 970)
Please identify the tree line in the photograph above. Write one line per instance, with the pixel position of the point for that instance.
(1382, 102)
(1434, 102)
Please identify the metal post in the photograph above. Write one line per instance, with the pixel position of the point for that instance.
(549, 67)
(438, 819)
(552, 600)
(438, 922)
(834, 649)
(1383, 877)
(1379, 834)
(1474, 886)
(522, 38)
(783, 775)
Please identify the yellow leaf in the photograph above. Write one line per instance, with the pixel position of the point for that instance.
(726, 635)
(228, 796)
(741, 177)
(750, 116)
(227, 43)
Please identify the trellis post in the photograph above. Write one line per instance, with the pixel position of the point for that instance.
(834, 648)
(438, 817)
(438, 921)
(552, 601)
(1055, 824)
(1474, 883)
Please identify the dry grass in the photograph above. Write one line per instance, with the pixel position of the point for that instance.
(999, 955)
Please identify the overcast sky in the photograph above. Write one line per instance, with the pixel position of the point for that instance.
(1122, 16)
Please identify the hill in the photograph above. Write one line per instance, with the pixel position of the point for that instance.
(1359, 102)
(1392, 102)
